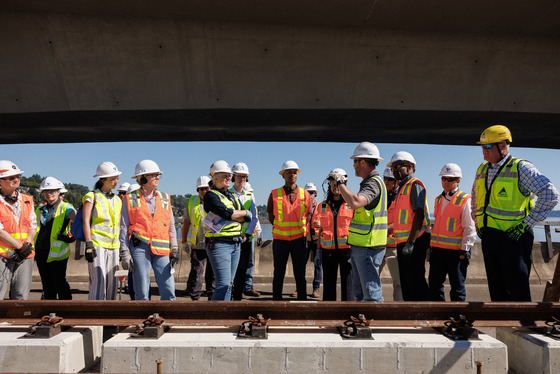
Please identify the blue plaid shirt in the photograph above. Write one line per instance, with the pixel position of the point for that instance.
(530, 181)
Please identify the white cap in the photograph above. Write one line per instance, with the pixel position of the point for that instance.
(106, 169)
(402, 156)
(289, 165)
(388, 173)
(123, 187)
(240, 168)
(248, 187)
(63, 190)
(202, 181)
(8, 168)
(310, 187)
(50, 183)
(366, 150)
(219, 166)
(146, 167)
(451, 170)
(133, 187)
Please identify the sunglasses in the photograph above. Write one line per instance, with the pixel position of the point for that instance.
(11, 178)
(487, 146)
(448, 179)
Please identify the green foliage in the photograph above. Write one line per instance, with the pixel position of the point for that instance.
(261, 211)
(179, 203)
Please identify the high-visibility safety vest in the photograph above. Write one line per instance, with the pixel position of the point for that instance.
(502, 205)
(290, 222)
(59, 250)
(196, 215)
(231, 228)
(368, 227)
(151, 230)
(312, 232)
(404, 215)
(18, 230)
(447, 231)
(391, 242)
(105, 220)
(248, 201)
(326, 217)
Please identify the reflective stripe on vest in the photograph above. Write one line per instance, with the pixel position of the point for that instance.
(502, 205)
(326, 217)
(59, 250)
(151, 230)
(196, 215)
(404, 214)
(369, 227)
(231, 228)
(105, 221)
(289, 219)
(18, 230)
(447, 231)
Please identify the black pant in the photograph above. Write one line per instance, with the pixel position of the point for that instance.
(332, 258)
(412, 269)
(240, 274)
(508, 265)
(443, 263)
(281, 250)
(53, 279)
(199, 259)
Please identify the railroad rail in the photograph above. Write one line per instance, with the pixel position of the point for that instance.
(281, 313)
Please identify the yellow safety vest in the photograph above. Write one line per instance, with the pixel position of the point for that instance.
(105, 221)
(231, 228)
(59, 250)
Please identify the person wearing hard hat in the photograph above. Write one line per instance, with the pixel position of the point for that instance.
(133, 187)
(52, 243)
(288, 209)
(225, 216)
(502, 207)
(453, 236)
(411, 227)
(192, 219)
(367, 233)
(390, 258)
(18, 223)
(331, 222)
(123, 189)
(312, 248)
(101, 215)
(148, 237)
(62, 193)
(242, 285)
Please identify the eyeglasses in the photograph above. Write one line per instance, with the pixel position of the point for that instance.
(224, 175)
(389, 179)
(11, 178)
(398, 165)
(487, 146)
(154, 175)
(448, 179)
(312, 192)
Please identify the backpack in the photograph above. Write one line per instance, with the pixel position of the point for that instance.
(77, 229)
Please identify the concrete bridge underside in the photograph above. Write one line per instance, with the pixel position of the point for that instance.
(279, 70)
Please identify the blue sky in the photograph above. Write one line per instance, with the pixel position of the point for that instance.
(183, 162)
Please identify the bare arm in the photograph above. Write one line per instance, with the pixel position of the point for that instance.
(239, 215)
(354, 200)
(7, 238)
(416, 224)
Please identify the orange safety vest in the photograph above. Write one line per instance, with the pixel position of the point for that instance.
(404, 214)
(391, 242)
(289, 219)
(153, 231)
(447, 231)
(18, 230)
(343, 219)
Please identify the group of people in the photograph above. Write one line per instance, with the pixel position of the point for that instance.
(355, 233)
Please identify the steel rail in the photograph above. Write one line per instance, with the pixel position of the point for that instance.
(282, 313)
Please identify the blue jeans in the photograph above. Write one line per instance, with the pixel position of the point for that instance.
(314, 250)
(224, 258)
(366, 282)
(249, 272)
(143, 258)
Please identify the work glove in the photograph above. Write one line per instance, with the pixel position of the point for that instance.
(91, 253)
(479, 231)
(408, 248)
(187, 247)
(248, 216)
(174, 256)
(465, 255)
(25, 250)
(515, 232)
(16, 257)
(65, 238)
(126, 260)
(338, 178)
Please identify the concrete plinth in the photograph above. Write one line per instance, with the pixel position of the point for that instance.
(302, 350)
(70, 351)
(530, 351)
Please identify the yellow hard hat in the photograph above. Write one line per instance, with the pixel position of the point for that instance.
(495, 134)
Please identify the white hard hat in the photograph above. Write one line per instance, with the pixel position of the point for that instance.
(202, 181)
(248, 187)
(146, 167)
(50, 183)
(107, 169)
(366, 150)
(289, 165)
(133, 187)
(240, 168)
(388, 173)
(8, 168)
(219, 166)
(402, 156)
(338, 171)
(451, 170)
(63, 190)
(123, 187)
(310, 187)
